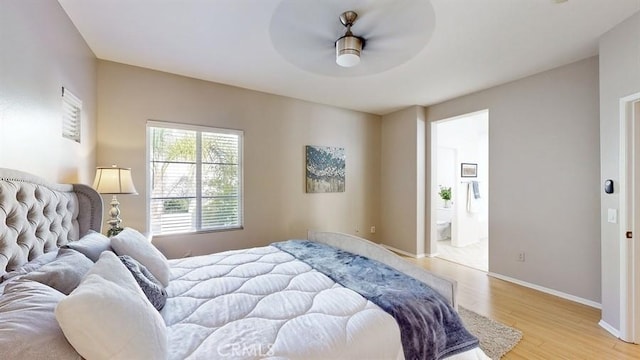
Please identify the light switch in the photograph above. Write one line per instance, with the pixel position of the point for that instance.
(612, 216)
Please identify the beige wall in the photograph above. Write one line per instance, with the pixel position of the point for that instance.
(276, 131)
(40, 52)
(402, 180)
(619, 77)
(544, 176)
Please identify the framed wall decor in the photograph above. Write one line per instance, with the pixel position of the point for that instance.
(468, 170)
(325, 169)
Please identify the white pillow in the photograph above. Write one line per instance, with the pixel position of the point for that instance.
(91, 245)
(132, 243)
(111, 268)
(104, 319)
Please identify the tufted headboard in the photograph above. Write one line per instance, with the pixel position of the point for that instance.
(37, 216)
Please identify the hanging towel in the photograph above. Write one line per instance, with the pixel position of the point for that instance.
(476, 189)
(473, 203)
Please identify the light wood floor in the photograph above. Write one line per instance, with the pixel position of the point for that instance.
(553, 328)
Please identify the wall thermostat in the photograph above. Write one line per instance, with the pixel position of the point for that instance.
(608, 186)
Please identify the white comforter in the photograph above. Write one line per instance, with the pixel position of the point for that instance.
(264, 303)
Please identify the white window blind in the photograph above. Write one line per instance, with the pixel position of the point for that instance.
(195, 178)
(71, 116)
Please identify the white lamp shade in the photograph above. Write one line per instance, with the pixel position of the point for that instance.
(114, 180)
(348, 51)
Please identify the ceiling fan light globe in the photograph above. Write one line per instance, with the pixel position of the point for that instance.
(348, 60)
(348, 50)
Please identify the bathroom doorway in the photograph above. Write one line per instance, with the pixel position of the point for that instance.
(460, 189)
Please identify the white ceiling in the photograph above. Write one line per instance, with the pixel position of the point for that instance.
(475, 44)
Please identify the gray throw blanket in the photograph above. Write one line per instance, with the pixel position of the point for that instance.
(430, 328)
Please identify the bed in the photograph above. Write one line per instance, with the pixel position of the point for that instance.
(69, 292)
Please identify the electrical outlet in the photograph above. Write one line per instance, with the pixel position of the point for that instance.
(373, 229)
(521, 256)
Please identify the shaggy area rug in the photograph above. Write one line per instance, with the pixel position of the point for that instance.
(496, 339)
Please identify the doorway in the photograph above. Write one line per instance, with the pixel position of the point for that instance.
(460, 191)
(630, 219)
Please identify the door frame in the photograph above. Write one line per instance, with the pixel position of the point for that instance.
(431, 247)
(629, 208)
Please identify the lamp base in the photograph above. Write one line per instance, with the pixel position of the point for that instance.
(114, 221)
(114, 231)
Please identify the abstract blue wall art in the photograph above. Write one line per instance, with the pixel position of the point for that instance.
(325, 169)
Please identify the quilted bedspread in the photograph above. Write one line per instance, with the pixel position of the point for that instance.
(264, 303)
(429, 326)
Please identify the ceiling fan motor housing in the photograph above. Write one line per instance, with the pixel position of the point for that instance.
(348, 47)
(348, 50)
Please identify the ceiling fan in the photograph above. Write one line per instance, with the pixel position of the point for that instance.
(311, 35)
(349, 46)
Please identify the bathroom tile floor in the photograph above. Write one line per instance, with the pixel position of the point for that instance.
(474, 255)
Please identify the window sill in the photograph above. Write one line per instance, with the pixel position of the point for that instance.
(199, 232)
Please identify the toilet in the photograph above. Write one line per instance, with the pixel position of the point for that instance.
(443, 223)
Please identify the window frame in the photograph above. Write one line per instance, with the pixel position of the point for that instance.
(201, 129)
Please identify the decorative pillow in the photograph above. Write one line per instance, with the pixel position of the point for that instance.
(64, 273)
(104, 319)
(132, 243)
(28, 326)
(32, 265)
(150, 286)
(91, 245)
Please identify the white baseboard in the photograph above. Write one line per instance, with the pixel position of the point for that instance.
(548, 291)
(603, 324)
(402, 252)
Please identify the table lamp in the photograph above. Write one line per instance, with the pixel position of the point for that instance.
(114, 180)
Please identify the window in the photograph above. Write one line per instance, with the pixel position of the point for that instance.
(195, 178)
(71, 116)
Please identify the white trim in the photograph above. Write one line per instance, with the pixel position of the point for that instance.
(202, 128)
(628, 291)
(431, 195)
(603, 324)
(624, 213)
(147, 180)
(473, 113)
(547, 290)
(402, 252)
(634, 255)
(421, 167)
